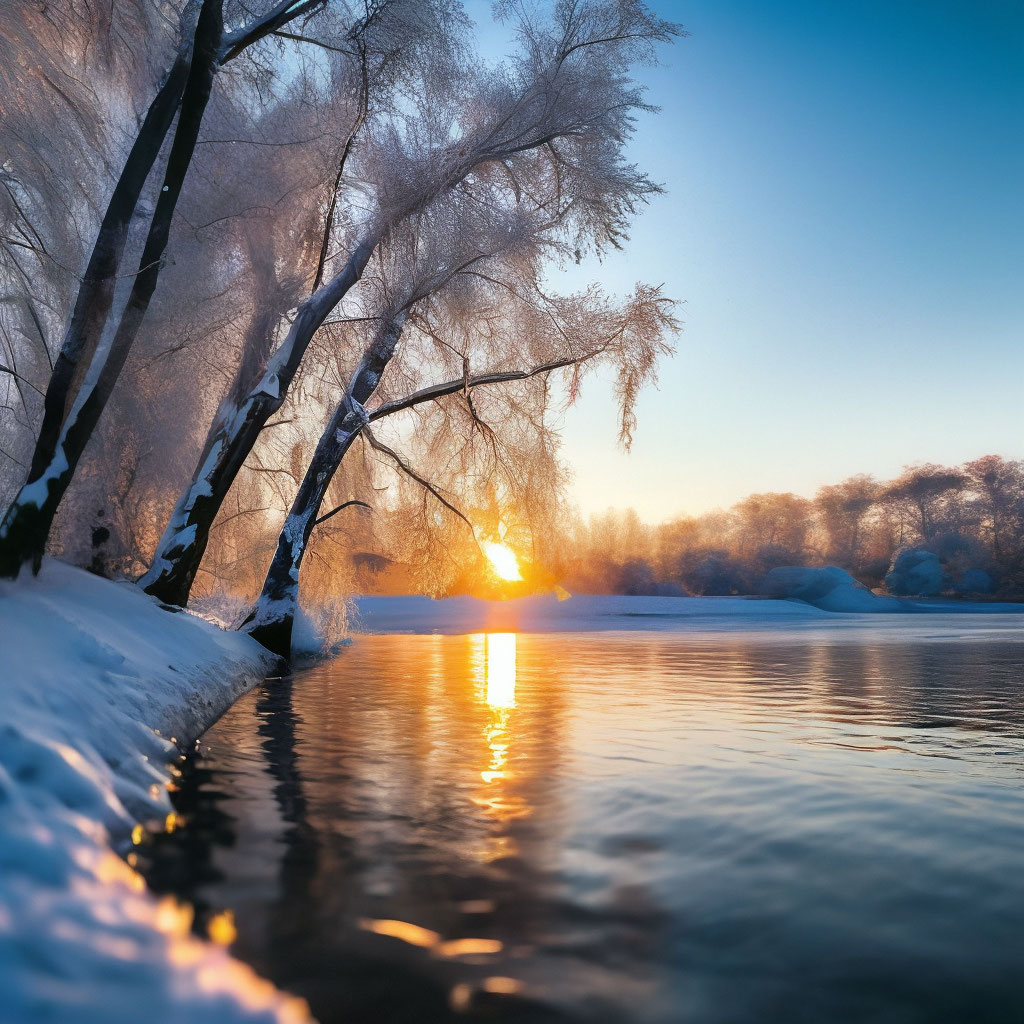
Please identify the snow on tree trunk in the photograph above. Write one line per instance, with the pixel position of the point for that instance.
(184, 541)
(272, 619)
(26, 526)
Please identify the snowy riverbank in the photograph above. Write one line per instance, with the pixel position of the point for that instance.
(94, 674)
(585, 612)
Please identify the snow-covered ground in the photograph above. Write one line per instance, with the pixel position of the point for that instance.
(585, 612)
(96, 678)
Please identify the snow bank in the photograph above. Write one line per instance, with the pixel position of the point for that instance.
(546, 613)
(829, 587)
(95, 677)
(918, 573)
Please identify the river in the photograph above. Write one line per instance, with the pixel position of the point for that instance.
(648, 826)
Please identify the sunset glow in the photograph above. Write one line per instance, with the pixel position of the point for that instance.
(503, 560)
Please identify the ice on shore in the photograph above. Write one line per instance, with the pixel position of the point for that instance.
(97, 678)
(581, 612)
(848, 611)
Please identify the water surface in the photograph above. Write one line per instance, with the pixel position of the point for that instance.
(785, 826)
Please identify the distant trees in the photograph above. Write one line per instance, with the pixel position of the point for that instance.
(997, 489)
(966, 523)
(772, 529)
(841, 511)
(927, 500)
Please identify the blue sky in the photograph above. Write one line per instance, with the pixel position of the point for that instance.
(845, 224)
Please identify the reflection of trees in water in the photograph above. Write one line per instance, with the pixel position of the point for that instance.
(182, 862)
(277, 727)
(185, 862)
(923, 685)
(375, 760)
(916, 684)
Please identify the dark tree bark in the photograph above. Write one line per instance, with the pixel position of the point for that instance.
(96, 292)
(274, 615)
(27, 524)
(184, 541)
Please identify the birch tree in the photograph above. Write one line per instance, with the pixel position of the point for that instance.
(85, 372)
(573, 335)
(560, 112)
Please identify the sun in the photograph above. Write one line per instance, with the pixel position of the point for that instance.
(503, 560)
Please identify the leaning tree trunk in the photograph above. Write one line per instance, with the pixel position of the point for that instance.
(96, 292)
(184, 540)
(26, 526)
(271, 621)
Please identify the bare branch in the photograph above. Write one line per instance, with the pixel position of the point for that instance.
(436, 391)
(281, 14)
(18, 376)
(335, 511)
(410, 472)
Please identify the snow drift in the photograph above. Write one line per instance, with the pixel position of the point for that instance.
(96, 679)
(916, 572)
(830, 588)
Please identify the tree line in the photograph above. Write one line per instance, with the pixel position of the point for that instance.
(267, 265)
(970, 517)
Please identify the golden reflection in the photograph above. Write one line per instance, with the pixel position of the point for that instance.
(502, 986)
(221, 928)
(500, 669)
(461, 997)
(477, 906)
(497, 743)
(425, 938)
(468, 947)
(499, 694)
(404, 930)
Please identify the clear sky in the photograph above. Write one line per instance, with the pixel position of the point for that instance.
(845, 224)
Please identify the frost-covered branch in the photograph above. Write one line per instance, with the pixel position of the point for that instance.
(397, 459)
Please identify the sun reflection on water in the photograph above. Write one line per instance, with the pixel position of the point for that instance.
(500, 669)
(495, 798)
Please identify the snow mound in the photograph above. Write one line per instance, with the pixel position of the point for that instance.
(97, 677)
(916, 572)
(829, 588)
(975, 581)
